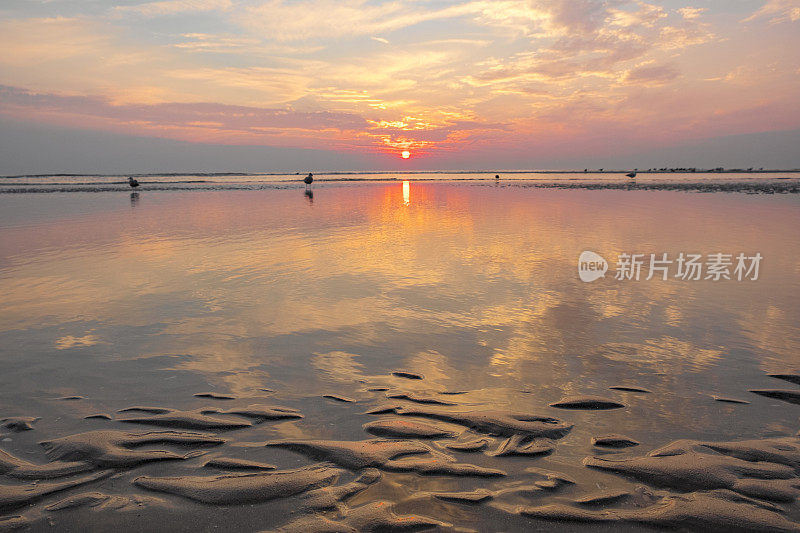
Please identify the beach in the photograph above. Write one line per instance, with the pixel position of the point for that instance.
(380, 353)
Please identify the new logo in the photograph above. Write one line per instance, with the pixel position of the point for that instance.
(591, 266)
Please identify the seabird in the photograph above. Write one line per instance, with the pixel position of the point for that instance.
(132, 182)
(631, 174)
(308, 179)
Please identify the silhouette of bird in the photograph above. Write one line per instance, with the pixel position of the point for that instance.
(308, 179)
(132, 182)
(631, 174)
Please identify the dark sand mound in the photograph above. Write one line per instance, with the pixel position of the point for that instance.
(729, 400)
(353, 455)
(16, 496)
(792, 377)
(226, 463)
(677, 447)
(391, 455)
(13, 523)
(682, 467)
(151, 410)
(21, 469)
(411, 397)
(243, 488)
(407, 375)
(614, 441)
(586, 402)
(113, 449)
(99, 416)
(99, 501)
(338, 398)
(475, 445)
(524, 445)
(498, 423)
(184, 420)
(258, 412)
(383, 409)
(791, 396)
(372, 517)
(19, 423)
(214, 396)
(603, 498)
(440, 464)
(471, 497)
(548, 479)
(630, 388)
(407, 429)
(331, 497)
(779, 450)
(713, 511)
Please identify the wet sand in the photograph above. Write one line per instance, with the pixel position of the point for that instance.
(379, 360)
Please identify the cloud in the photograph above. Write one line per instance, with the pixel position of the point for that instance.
(335, 19)
(651, 75)
(675, 37)
(204, 42)
(691, 13)
(302, 73)
(174, 7)
(778, 11)
(224, 121)
(228, 124)
(41, 40)
(647, 15)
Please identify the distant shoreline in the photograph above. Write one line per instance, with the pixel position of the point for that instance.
(681, 170)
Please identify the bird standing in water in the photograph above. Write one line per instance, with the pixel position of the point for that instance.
(132, 182)
(308, 179)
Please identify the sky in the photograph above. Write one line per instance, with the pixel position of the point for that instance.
(291, 85)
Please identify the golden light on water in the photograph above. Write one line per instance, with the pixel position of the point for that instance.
(406, 154)
(406, 193)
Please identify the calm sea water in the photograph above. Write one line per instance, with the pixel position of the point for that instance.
(147, 299)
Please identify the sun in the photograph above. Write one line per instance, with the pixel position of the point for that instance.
(406, 154)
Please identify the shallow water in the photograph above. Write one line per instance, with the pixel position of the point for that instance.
(741, 181)
(146, 300)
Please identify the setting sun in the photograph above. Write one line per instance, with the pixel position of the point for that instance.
(406, 154)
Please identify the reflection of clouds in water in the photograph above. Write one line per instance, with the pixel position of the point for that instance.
(774, 332)
(338, 366)
(69, 341)
(645, 302)
(254, 283)
(666, 352)
(530, 336)
(434, 366)
(228, 367)
(674, 316)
